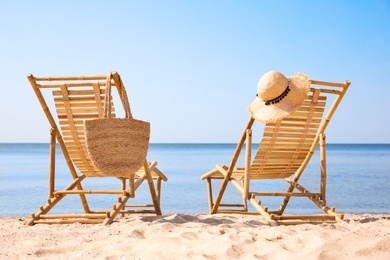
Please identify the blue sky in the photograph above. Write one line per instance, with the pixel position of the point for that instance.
(191, 67)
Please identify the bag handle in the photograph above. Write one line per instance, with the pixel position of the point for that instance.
(124, 98)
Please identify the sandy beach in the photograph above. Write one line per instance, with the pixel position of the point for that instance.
(182, 236)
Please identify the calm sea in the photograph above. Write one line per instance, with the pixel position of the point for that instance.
(358, 179)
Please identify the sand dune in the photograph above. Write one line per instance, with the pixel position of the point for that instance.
(181, 236)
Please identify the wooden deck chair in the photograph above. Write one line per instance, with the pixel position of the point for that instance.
(77, 99)
(284, 152)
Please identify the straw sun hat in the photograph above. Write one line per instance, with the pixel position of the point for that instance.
(278, 96)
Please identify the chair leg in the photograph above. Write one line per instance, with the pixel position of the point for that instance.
(52, 163)
(245, 196)
(210, 194)
(263, 211)
(116, 209)
(158, 184)
(152, 189)
(244, 202)
(44, 209)
(323, 167)
(285, 202)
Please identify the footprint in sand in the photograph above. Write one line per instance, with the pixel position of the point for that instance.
(189, 235)
(168, 226)
(137, 234)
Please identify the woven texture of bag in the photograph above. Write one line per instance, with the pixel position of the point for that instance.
(117, 146)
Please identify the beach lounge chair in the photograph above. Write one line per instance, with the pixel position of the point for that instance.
(284, 152)
(77, 99)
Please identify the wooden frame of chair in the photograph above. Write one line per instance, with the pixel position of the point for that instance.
(70, 94)
(284, 152)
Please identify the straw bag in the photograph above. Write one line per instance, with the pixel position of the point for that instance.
(117, 146)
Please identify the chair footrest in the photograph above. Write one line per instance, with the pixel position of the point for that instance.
(304, 217)
(233, 211)
(71, 218)
(289, 194)
(139, 205)
(297, 222)
(138, 211)
(231, 205)
(101, 215)
(68, 221)
(91, 192)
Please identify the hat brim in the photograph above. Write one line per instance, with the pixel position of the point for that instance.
(299, 89)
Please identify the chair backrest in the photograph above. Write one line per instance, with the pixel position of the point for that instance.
(288, 145)
(76, 98)
(75, 103)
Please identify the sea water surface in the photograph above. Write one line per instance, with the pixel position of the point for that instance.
(358, 179)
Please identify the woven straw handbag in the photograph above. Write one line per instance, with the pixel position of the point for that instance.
(117, 146)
